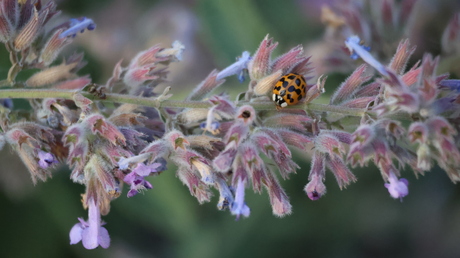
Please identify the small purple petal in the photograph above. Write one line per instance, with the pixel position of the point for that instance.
(405, 181)
(145, 170)
(46, 159)
(104, 238)
(76, 233)
(90, 238)
(397, 188)
(147, 184)
(129, 178)
(132, 192)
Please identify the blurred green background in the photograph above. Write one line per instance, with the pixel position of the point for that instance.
(361, 221)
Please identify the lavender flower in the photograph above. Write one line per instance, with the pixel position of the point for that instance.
(91, 233)
(210, 125)
(78, 25)
(239, 207)
(136, 178)
(8, 103)
(236, 68)
(46, 159)
(397, 188)
(353, 44)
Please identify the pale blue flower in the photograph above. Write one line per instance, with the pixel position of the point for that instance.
(239, 207)
(358, 50)
(236, 68)
(210, 125)
(78, 25)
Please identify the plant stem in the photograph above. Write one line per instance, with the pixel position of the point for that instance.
(152, 102)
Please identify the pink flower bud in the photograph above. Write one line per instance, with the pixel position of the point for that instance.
(418, 132)
(206, 86)
(75, 84)
(52, 47)
(278, 198)
(223, 162)
(288, 60)
(196, 187)
(264, 86)
(29, 32)
(400, 59)
(315, 189)
(342, 174)
(177, 140)
(351, 84)
(54, 74)
(259, 66)
(99, 125)
(328, 143)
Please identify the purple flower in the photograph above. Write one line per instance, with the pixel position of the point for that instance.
(357, 49)
(397, 188)
(315, 189)
(8, 103)
(78, 25)
(453, 85)
(46, 159)
(236, 68)
(226, 196)
(239, 207)
(136, 177)
(90, 232)
(204, 169)
(210, 125)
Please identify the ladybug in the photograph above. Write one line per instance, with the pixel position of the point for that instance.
(289, 90)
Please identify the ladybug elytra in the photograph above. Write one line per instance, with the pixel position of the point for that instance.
(289, 90)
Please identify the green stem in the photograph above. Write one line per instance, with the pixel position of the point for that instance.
(152, 102)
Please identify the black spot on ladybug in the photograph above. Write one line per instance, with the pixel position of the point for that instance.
(282, 93)
(299, 97)
(278, 88)
(285, 84)
(282, 79)
(298, 91)
(291, 100)
(288, 96)
(291, 77)
(297, 81)
(291, 89)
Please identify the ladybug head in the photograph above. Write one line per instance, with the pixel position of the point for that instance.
(279, 100)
